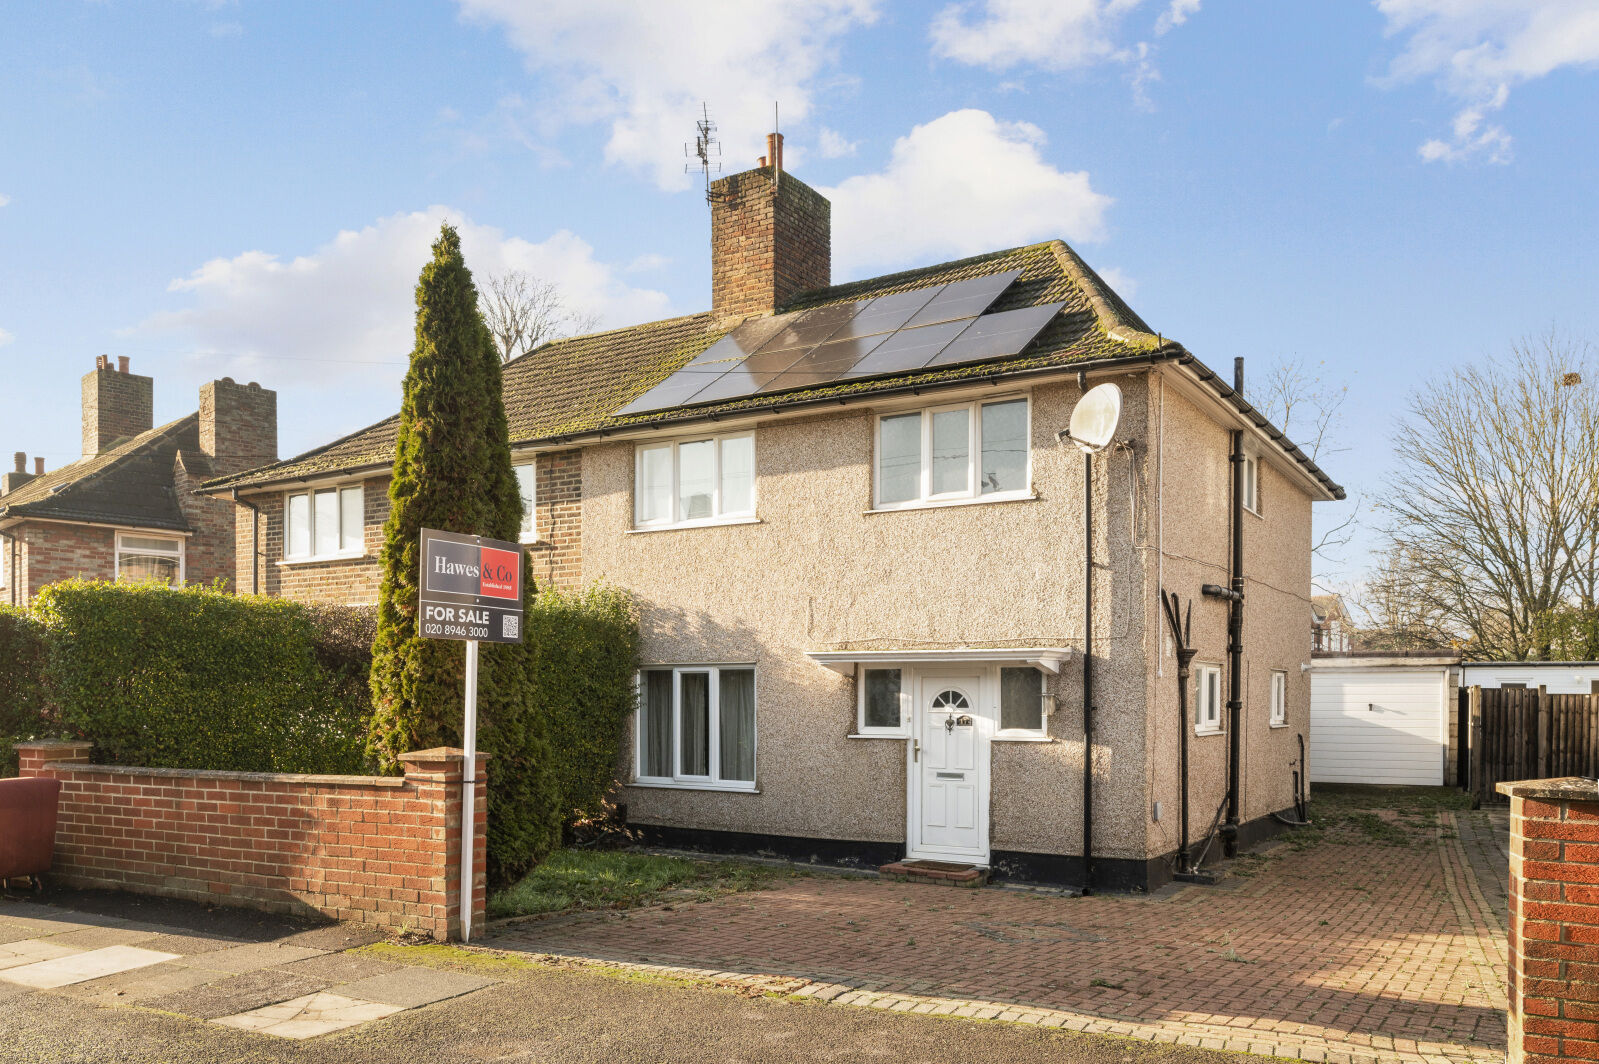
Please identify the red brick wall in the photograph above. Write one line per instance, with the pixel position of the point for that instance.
(558, 554)
(766, 244)
(48, 552)
(208, 556)
(1554, 922)
(376, 850)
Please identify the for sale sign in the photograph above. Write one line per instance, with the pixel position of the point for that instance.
(470, 588)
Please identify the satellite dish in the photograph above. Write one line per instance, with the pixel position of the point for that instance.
(1095, 417)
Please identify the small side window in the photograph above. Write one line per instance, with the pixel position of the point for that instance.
(1279, 699)
(1207, 699)
(883, 709)
(1252, 484)
(1021, 701)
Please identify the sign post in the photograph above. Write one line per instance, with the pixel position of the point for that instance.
(470, 589)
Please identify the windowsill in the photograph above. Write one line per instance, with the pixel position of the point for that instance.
(1256, 513)
(939, 504)
(725, 788)
(1278, 724)
(879, 735)
(718, 523)
(1024, 739)
(1210, 731)
(349, 556)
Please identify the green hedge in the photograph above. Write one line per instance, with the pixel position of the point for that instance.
(22, 690)
(197, 678)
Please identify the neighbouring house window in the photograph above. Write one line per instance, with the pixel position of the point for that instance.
(1252, 484)
(950, 453)
(884, 704)
(1279, 699)
(696, 727)
(326, 523)
(1512, 687)
(1021, 701)
(694, 481)
(1207, 700)
(525, 478)
(149, 558)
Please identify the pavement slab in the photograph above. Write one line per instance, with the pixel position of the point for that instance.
(228, 996)
(309, 1016)
(31, 951)
(410, 988)
(340, 967)
(100, 937)
(140, 984)
(248, 958)
(334, 938)
(189, 945)
(83, 966)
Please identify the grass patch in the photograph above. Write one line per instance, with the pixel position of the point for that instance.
(1347, 813)
(573, 880)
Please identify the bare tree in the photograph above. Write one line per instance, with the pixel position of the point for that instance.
(1307, 407)
(1396, 609)
(524, 311)
(1495, 503)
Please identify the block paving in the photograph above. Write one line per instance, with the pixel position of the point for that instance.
(1343, 952)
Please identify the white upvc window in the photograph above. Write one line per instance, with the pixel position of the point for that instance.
(700, 481)
(1279, 699)
(324, 523)
(1252, 484)
(962, 452)
(696, 727)
(141, 558)
(527, 487)
(1207, 699)
(1022, 703)
(883, 703)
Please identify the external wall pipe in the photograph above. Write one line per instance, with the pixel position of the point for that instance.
(1088, 672)
(1182, 636)
(1235, 649)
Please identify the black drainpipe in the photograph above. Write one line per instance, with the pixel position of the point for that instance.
(1183, 636)
(1235, 632)
(255, 541)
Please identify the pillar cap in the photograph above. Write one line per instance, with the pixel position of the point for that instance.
(1565, 789)
(54, 744)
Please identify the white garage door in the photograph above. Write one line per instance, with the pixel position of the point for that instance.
(1377, 726)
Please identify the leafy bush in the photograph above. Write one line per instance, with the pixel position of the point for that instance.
(22, 690)
(197, 678)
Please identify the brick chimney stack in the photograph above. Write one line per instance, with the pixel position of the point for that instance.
(116, 404)
(771, 238)
(12, 481)
(238, 425)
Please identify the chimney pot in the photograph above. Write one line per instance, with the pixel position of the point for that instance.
(760, 160)
(38, 466)
(122, 363)
(102, 362)
(21, 458)
(774, 150)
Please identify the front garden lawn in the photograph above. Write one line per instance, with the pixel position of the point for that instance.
(570, 880)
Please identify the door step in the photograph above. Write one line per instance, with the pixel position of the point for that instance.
(947, 873)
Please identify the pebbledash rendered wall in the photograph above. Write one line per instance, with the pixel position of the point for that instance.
(378, 850)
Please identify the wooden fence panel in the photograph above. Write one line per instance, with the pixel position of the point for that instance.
(1530, 734)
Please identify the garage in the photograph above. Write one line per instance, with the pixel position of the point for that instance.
(1384, 721)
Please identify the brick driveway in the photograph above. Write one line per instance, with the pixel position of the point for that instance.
(1351, 950)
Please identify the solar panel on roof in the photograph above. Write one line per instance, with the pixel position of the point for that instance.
(824, 363)
(675, 390)
(744, 378)
(907, 349)
(963, 299)
(812, 327)
(995, 335)
(885, 314)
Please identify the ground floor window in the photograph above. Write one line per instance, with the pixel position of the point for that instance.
(696, 727)
(145, 558)
(1279, 699)
(1207, 704)
(1021, 701)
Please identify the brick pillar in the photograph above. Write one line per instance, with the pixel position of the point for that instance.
(33, 756)
(1554, 920)
(436, 776)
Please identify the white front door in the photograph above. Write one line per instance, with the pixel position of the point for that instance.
(949, 770)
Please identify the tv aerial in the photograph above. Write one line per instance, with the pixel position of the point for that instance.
(707, 149)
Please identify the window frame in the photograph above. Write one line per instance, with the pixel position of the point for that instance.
(1252, 483)
(531, 533)
(864, 730)
(925, 497)
(676, 520)
(1279, 698)
(117, 551)
(678, 779)
(1004, 734)
(1211, 722)
(310, 494)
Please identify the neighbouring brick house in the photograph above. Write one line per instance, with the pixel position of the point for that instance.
(127, 510)
(857, 540)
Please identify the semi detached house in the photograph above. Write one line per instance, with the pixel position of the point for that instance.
(859, 542)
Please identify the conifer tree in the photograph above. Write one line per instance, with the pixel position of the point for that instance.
(452, 471)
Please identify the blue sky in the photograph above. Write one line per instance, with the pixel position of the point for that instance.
(248, 189)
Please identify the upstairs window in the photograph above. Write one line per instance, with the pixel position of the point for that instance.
(1252, 484)
(326, 523)
(694, 482)
(953, 453)
(526, 486)
(147, 558)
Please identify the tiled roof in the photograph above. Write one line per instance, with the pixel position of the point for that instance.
(131, 484)
(570, 388)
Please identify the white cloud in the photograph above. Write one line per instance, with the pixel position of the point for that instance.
(4, 199)
(961, 184)
(647, 262)
(1478, 50)
(351, 300)
(1176, 15)
(646, 67)
(1054, 34)
(1119, 281)
(832, 144)
(5, 338)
